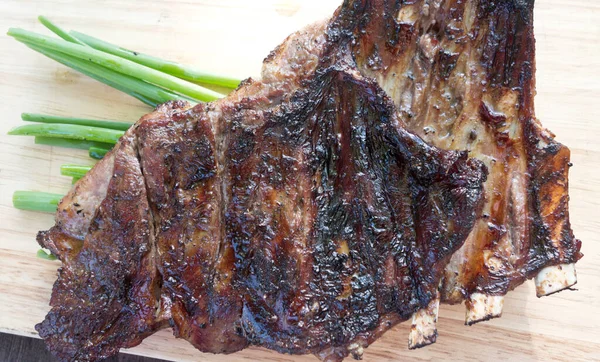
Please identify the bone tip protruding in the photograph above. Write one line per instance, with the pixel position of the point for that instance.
(423, 330)
(482, 307)
(555, 278)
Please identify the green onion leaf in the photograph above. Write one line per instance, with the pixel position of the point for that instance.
(97, 152)
(70, 143)
(145, 92)
(165, 66)
(41, 118)
(70, 131)
(43, 255)
(36, 201)
(117, 64)
(75, 171)
(58, 31)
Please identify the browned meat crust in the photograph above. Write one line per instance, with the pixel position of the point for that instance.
(310, 226)
(104, 298)
(462, 76)
(298, 214)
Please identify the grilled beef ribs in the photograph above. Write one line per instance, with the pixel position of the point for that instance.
(307, 221)
(462, 75)
(298, 213)
(310, 226)
(108, 280)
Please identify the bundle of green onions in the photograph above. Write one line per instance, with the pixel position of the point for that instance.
(149, 79)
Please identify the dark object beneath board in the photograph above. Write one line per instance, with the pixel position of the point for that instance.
(27, 349)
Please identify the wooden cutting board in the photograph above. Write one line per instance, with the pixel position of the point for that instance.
(233, 37)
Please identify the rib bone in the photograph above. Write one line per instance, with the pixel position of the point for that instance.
(482, 307)
(423, 331)
(554, 279)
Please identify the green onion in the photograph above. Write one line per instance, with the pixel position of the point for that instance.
(97, 152)
(70, 143)
(117, 64)
(145, 92)
(58, 31)
(74, 180)
(71, 131)
(31, 117)
(75, 171)
(43, 255)
(36, 201)
(165, 66)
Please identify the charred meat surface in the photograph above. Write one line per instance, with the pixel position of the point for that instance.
(105, 295)
(346, 221)
(462, 75)
(309, 226)
(299, 214)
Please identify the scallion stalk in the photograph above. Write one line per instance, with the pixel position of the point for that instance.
(70, 143)
(97, 152)
(145, 92)
(75, 171)
(41, 118)
(42, 254)
(70, 131)
(36, 201)
(165, 66)
(58, 31)
(117, 64)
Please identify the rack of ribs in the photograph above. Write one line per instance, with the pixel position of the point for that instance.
(462, 76)
(302, 215)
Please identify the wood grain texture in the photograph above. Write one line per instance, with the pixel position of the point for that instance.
(233, 36)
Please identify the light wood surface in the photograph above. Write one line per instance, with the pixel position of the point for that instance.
(233, 37)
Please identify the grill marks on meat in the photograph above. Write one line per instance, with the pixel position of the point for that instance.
(104, 298)
(298, 214)
(345, 220)
(311, 226)
(462, 76)
(178, 152)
